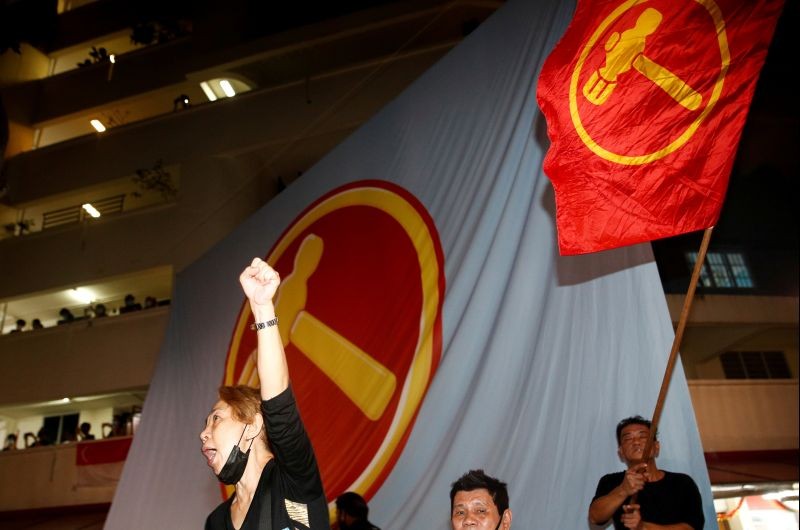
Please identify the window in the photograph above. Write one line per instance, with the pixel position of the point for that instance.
(755, 365)
(58, 429)
(724, 270)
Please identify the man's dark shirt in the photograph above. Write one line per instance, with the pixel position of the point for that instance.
(673, 499)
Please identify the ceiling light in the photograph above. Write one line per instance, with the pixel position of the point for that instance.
(82, 295)
(98, 125)
(52, 402)
(226, 87)
(91, 210)
(209, 93)
(81, 399)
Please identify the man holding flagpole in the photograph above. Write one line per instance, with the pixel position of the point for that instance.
(664, 500)
(645, 104)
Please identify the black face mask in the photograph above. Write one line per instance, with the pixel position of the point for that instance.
(233, 469)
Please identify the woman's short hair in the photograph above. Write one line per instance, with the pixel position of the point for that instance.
(245, 403)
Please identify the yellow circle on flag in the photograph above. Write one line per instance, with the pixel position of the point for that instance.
(719, 24)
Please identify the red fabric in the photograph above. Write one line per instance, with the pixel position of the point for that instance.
(102, 451)
(640, 160)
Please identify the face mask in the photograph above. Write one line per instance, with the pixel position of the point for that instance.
(233, 469)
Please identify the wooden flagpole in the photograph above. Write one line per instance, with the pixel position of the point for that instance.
(676, 342)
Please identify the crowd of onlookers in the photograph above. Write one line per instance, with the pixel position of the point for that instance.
(121, 426)
(43, 438)
(93, 311)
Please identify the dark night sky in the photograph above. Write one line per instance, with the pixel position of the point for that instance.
(759, 215)
(760, 207)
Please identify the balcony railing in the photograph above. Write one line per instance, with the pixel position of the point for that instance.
(102, 355)
(732, 416)
(57, 475)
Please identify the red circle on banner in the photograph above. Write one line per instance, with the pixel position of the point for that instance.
(360, 304)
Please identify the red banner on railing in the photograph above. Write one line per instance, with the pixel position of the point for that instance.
(102, 451)
(99, 463)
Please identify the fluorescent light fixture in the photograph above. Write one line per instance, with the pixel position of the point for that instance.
(98, 125)
(209, 93)
(53, 402)
(112, 58)
(226, 87)
(91, 210)
(82, 295)
(81, 399)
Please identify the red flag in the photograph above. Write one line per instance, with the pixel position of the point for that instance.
(100, 462)
(645, 103)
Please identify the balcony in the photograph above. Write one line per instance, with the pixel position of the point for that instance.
(722, 323)
(756, 418)
(58, 476)
(711, 310)
(749, 429)
(85, 358)
(99, 250)
(255, 140)
(279, 131)
(143, 82)
(749, 415)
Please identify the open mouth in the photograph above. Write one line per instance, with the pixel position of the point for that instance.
(209, 453)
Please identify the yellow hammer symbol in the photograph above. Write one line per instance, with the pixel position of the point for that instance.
(625, 51)
(366, 382)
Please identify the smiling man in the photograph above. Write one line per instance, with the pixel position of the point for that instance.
(479, 502)
(665, 500)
